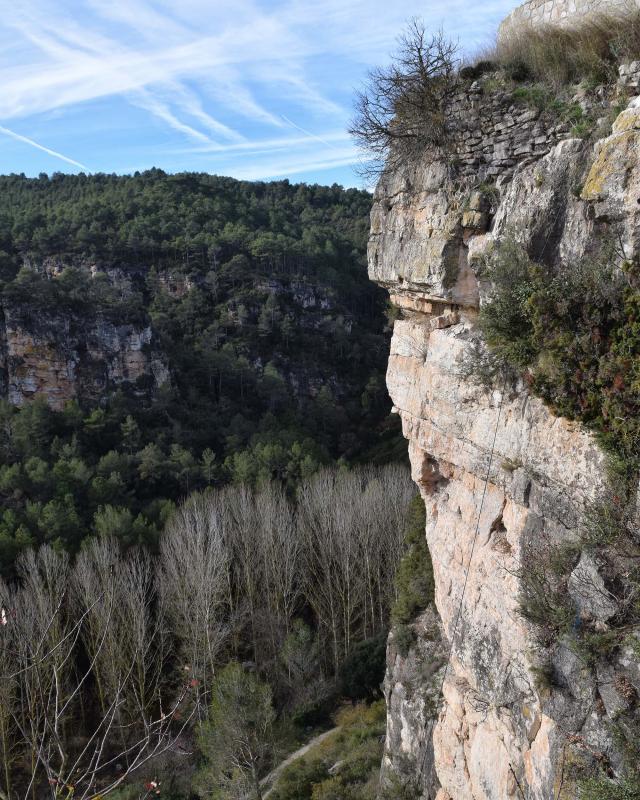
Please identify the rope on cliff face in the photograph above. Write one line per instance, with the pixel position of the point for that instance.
(467, 571)
(513, 772)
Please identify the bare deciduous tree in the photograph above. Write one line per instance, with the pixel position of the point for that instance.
(193, 584)
(241, 534)
(124, 631)
(402, 109)
(351, 525)
(88, 679)
(44, 631)
(9, 742)
(280, 552)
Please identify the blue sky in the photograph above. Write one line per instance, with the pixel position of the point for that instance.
(256, 89)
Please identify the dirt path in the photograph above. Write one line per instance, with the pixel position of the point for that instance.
(272, 777)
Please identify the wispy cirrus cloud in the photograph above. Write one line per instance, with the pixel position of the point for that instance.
(228, 85)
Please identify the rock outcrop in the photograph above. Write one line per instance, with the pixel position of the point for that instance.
(59, 361)
(500, 475)
(77, 353)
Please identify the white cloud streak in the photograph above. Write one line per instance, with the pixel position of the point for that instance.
(306, 132)
(25, 139)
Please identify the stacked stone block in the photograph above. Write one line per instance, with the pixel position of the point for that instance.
(491, 132)
(562, 12)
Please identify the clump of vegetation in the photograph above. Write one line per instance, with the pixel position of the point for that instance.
(559, 56)
(345, 766)
(362, 672)
(236, 742)
(574, 334)
(414, 578)
(538, 96)
(402, 109)
(607, 789)
(404, 638)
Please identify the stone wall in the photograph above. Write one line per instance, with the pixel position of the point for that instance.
(562, 12)
(492, 132)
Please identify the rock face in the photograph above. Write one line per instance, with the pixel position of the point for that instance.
(66, 355)
(412, 686)
(500, 475)
(62, 362)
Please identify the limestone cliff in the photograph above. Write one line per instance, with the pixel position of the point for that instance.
(499, 473)
(74, 353)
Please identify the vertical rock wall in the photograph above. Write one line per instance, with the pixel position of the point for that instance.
(65, 354)
(500, 475)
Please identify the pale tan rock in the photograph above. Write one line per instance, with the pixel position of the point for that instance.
(499, 473)
(61, 357)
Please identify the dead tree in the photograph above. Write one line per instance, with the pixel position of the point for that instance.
(401, 110)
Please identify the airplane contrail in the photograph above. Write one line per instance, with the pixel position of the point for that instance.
(308, 133)
(20, 138)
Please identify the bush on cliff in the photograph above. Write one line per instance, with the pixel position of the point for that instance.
(414, 579)
(558, 56)
(574, 334)
(606, 789)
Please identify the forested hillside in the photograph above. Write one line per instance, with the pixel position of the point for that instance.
(258, 352)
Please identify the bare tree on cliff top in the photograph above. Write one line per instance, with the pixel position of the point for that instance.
(402, 107)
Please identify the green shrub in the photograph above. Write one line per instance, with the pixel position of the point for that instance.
(414, 579)
(575, 334)
(606, 789)
(353, 754)
(404, 638)
(544, 601)
(298, 779)
(363, 670)
(358, 765)
(609, 522)
(506, 320)
(400, 789)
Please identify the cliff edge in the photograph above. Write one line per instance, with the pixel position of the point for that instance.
(501, 475)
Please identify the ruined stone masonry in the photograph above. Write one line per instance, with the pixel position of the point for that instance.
(561, 12)
(499, 733)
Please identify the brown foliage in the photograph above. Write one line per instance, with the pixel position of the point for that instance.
(558, 56)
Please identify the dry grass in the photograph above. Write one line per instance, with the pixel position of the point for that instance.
(556, 56)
